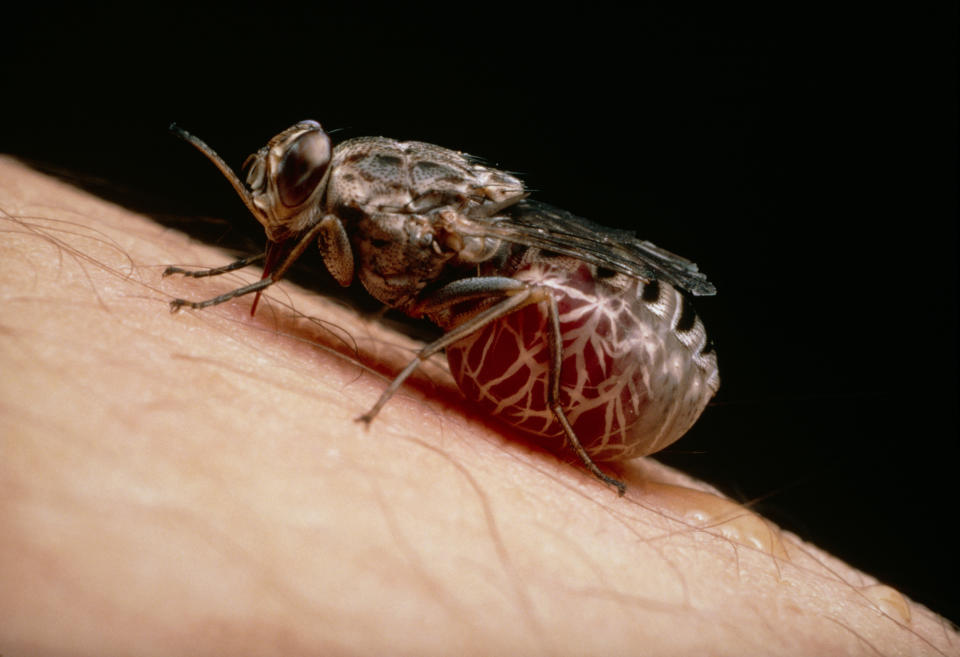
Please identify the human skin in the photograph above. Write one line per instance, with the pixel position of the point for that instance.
(195, 483)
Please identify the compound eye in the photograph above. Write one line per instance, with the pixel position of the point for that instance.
(302, 167)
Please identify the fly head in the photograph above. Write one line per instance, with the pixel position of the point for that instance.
(286, 179)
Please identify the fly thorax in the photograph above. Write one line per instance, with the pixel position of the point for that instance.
(397, 256)
(470, 249)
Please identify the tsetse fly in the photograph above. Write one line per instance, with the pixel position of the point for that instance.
(571, 332)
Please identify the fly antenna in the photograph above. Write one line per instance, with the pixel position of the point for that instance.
(218, 162)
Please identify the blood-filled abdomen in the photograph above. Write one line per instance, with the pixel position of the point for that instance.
(636, 373)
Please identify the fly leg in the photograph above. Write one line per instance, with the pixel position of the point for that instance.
(262, 284)
(176, 304)
(555, 343)
(216, 271)
(516, 295)
(278, 258)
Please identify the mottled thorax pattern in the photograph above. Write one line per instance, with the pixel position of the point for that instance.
(402, 203)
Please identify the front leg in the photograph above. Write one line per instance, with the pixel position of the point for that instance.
(262, 284)
(216, 271)
(278, 258)
(176, 304)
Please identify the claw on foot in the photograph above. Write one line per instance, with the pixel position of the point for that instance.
(366, 418)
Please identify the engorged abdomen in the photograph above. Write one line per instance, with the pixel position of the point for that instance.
(630, 383)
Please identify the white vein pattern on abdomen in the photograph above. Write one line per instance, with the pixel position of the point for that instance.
(637, 368)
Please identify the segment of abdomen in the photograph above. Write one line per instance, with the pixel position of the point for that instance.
(637, 368)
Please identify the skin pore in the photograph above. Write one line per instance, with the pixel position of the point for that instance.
(196, 483)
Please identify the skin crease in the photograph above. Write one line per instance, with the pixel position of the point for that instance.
(194, 483)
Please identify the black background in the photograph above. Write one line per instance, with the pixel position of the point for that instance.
(805, 160)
